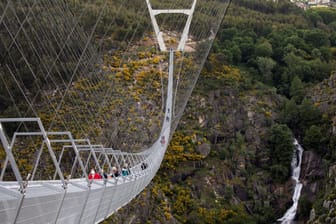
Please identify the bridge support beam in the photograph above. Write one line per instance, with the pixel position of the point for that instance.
(10, 156)
(158, 32)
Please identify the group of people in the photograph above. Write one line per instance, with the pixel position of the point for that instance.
(114, 172)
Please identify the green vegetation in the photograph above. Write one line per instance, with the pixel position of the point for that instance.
(280, 141)
(290, 52)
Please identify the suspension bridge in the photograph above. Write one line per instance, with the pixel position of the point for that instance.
(53, 78)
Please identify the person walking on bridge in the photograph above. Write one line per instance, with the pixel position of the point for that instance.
(94, 175)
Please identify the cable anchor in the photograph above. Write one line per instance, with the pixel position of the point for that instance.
(24, 184)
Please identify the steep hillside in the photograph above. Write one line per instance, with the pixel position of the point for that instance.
(216, 167)
(229, 161)
(324, 96)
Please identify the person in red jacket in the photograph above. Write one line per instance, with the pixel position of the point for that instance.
(94, 175)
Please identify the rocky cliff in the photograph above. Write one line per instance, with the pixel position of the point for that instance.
(324, 209)
(324, 96)
(229, 117)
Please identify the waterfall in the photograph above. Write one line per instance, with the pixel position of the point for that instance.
(289, 216)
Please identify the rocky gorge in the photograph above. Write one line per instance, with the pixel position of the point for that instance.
(268, 79)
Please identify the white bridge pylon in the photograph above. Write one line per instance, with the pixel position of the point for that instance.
(159, 35)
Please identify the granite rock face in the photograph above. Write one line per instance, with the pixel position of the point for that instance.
(312, 172)
(317, 176)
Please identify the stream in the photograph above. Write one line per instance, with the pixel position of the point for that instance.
(289, 216)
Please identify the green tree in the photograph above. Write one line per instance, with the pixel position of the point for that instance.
(264, 49)
(236, 54)
(227, 34)
(328, 15)
(295, 65)
(305, 206)
(247, 49)
(332, 26)
(313, 138)
(290, 114)
(265, 66)
(333, 39)
(308, 115)
(307, 70)
(280, 142)
(297, 42)
(326, 54)
(314, 17)
(316, 38)
(296, 90)
(316, 53)
(277, 40)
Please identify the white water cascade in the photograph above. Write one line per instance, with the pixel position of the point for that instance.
(289, 216)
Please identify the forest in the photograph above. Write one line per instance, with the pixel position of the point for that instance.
(290, 50)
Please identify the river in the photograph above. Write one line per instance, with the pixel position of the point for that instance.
(289, 216)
